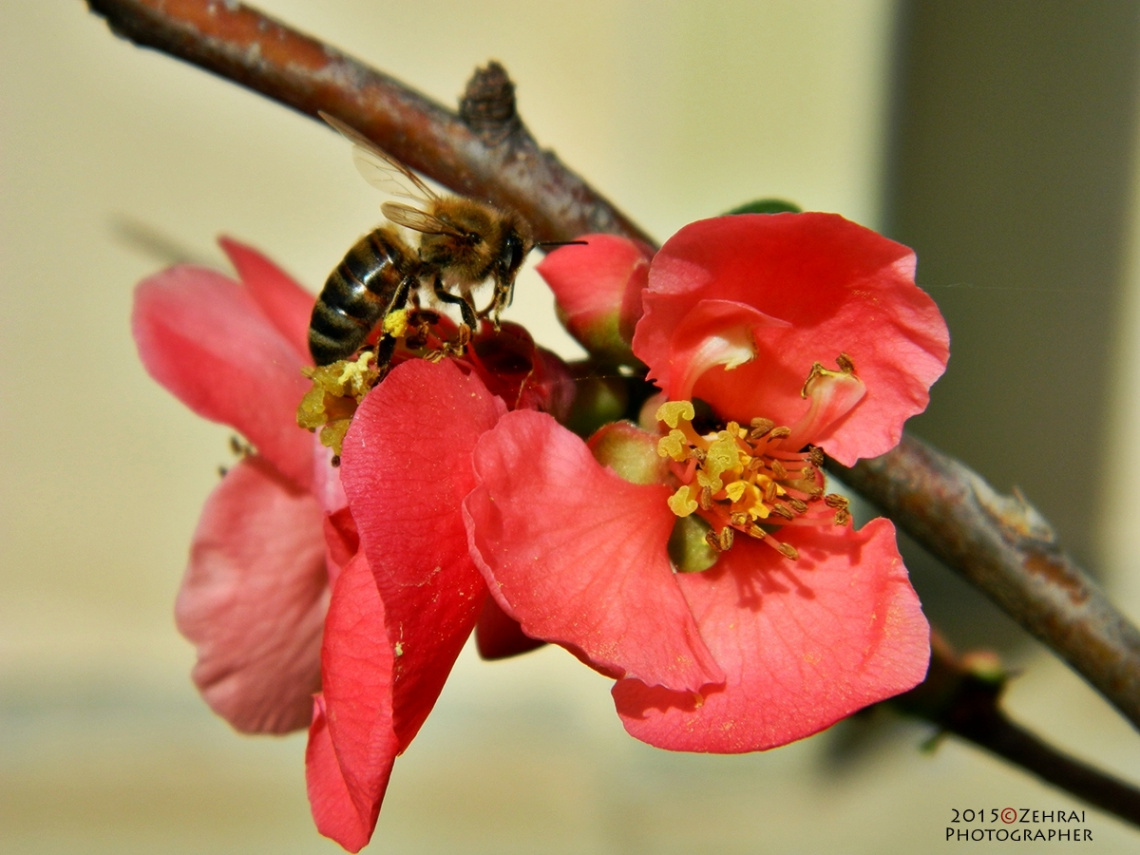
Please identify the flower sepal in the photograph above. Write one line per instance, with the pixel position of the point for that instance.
(767, 206)
(630, 452)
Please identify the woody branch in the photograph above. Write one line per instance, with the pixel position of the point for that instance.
(481, 152)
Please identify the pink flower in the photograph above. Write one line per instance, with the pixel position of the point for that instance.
(274, 553)
(256, 589)
(293, 624)
(797, 619)
(339, 598)
(739, 308)
(415, 594)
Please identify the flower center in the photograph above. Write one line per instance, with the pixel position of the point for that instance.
(339, 387)
(743, 479)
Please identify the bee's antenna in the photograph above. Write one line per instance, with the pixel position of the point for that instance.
(562, 243)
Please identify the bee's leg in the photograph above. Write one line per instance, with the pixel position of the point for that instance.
(499, 301)
(385, 348)
(391, 335)
(420, 324)
(465, 307)
(463, 339)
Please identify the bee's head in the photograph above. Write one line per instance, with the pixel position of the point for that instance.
(516, 244)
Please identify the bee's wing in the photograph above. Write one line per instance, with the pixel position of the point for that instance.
(380, 169)
(417, 220)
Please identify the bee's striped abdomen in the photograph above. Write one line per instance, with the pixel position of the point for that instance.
(373, 279)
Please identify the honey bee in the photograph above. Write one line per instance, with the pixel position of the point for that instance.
(462, 244)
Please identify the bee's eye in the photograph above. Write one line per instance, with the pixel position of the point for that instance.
(512, 253)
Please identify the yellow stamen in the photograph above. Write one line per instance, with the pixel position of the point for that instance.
(743, 479)
(673, 445)
(682, 503)
(337, 390)
(675, 412)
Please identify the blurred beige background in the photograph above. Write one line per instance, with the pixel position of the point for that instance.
(675, 112)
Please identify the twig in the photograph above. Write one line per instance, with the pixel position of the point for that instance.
(474, 157)
(1007, 549)
(964, 700)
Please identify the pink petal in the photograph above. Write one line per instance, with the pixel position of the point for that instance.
(204, 338)
(287, 305)
(499, 636)
(352, 745)
(326, 487)
(804, 644)
(577, 555)
(342, 542)
(406, 466)
(598, 289)
(831, 395)
(254, 599)
(330, 802)
(840, 287)
(715, 333)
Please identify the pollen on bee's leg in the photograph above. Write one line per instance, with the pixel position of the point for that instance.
(396, 323)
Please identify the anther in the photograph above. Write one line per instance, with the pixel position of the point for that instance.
(712, 540)
(760, 428)
(726, 538)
